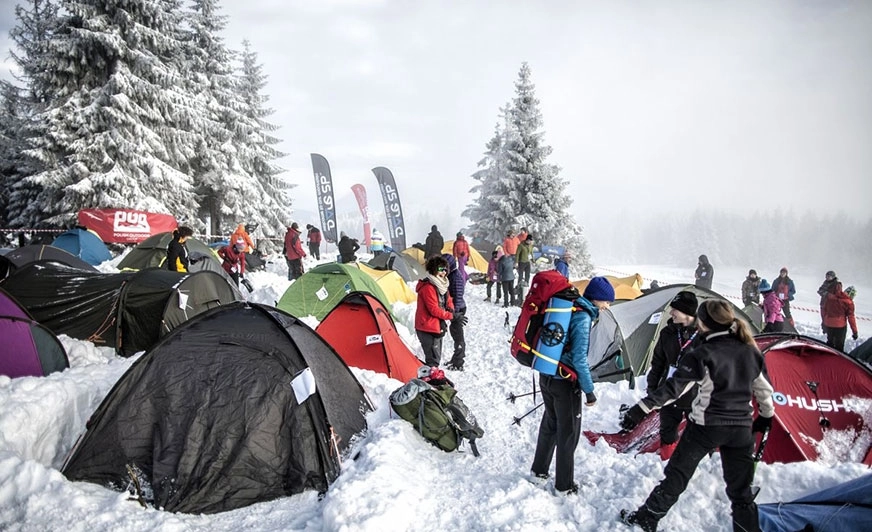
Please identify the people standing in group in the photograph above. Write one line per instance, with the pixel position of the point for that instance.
(435, 308)
(838, 313)
(177, 252)
(240, 232)
(679, 336)
(830, 280)
(506, 273)
(785, 290)
(772, 307)
(560, 427)
(434, 243)
(233, 259)
(376, 243)
(457, 278)
(493, 275)
(523, 260)
(347, 247)
(313, 238)
(704, 273)
(750, 289)
(728, 366)
(460, 249)
(293, 252)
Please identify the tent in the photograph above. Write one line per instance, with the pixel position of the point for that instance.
(625, 287)
(84, 244)
(391, 283)
(476, 261)
(29, 349)
(362, 331)
(320, 289)
(152, 252)
(842, 396)
(409, 268)
(20, 257)
(239, 405)
(846, 506)
(129, 311)
(622, 340)
(863, 352)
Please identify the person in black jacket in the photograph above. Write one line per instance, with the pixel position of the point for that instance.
(177, 251)
(704, 273)
(434, 243)
(676, 338)
(730, 371)
(347, 246)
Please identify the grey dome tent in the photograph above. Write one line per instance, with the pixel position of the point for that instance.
(129, 311)
(20, 257)
(152, 253)
(29, 349)
(622, 341)
(216, 416)
(410, 269)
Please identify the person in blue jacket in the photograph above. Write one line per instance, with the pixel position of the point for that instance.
(456, 287)
(561, 422)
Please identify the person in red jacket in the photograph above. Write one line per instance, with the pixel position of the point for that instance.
(233, 259)
(293, 252)
(838, 311)
(461, 247)
(313, 235)
(435, 308)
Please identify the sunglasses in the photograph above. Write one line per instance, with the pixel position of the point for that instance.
(440, 269)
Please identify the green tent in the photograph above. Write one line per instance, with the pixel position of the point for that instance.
(152, 253)
(320, 289)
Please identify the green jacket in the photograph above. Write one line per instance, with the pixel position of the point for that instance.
(524, 253)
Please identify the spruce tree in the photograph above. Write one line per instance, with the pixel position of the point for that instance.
(519, 188)
(116, 127)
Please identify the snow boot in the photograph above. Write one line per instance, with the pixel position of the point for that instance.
(666, 450)
(745, 518)
(643, 517)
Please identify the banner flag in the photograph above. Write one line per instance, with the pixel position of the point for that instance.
(324, 191)
(360, 195)
(125, 226)
(393, 209)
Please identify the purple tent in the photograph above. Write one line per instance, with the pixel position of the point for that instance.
(29, 349)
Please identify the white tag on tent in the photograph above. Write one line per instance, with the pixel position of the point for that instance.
(655, 318)
(373, 339)
(303, 385)
(183, 300)
(322, 293)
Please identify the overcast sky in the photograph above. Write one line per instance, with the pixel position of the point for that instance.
(665, 105)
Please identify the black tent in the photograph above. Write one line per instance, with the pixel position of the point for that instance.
(863, 352)
(20, 257)
(129, 311)
(152, 253)
(218, 414)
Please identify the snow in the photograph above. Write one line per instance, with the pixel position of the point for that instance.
(397, 481)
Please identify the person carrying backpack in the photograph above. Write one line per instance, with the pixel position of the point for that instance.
(560, 427)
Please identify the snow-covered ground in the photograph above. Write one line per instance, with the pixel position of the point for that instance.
(398, 481)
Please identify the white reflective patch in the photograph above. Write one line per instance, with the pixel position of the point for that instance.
(322, 294)
(655, 318)
(303, 385)
(373, 339)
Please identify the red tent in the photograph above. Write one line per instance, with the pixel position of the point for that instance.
(822, 397)
(362, 331)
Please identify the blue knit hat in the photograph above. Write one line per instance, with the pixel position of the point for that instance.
(764, 286)
(599, 289)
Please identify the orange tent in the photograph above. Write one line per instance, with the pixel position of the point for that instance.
(625, 287)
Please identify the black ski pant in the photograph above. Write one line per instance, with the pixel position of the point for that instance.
(559, 429)
(456, 331)
(785, 308)
(670, 420)
(508, 292)
(736, 445)
(524, 273)
(295, 268)
(432, 346)
(315, 250)
(836, 337)
(499, 289)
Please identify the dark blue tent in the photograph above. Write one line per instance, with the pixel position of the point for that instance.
(83, 244)
(847, 506)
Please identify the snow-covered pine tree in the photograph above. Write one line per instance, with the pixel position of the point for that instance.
(535, 195)
(257, 152)
(118, 120)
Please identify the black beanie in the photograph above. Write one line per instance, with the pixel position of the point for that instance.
(684, 302)
(703, 316)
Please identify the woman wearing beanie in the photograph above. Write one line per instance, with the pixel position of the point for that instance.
(730, 369)
(561, 393)
(676, 338)
(774, 321)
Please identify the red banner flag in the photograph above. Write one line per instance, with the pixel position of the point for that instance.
(125, 226)
(360, 194)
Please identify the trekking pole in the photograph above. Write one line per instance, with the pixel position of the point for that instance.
(513, 396)
(517, 420)
(758, 455)
(824, 422)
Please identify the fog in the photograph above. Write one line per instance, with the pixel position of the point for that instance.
(667, 107)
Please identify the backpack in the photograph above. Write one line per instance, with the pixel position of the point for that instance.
(437, 413)
(540, 334)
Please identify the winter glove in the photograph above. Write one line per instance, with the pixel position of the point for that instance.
(460, 317)
(761, 424)
(632, 417)
(590, 399)
(854, 336)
